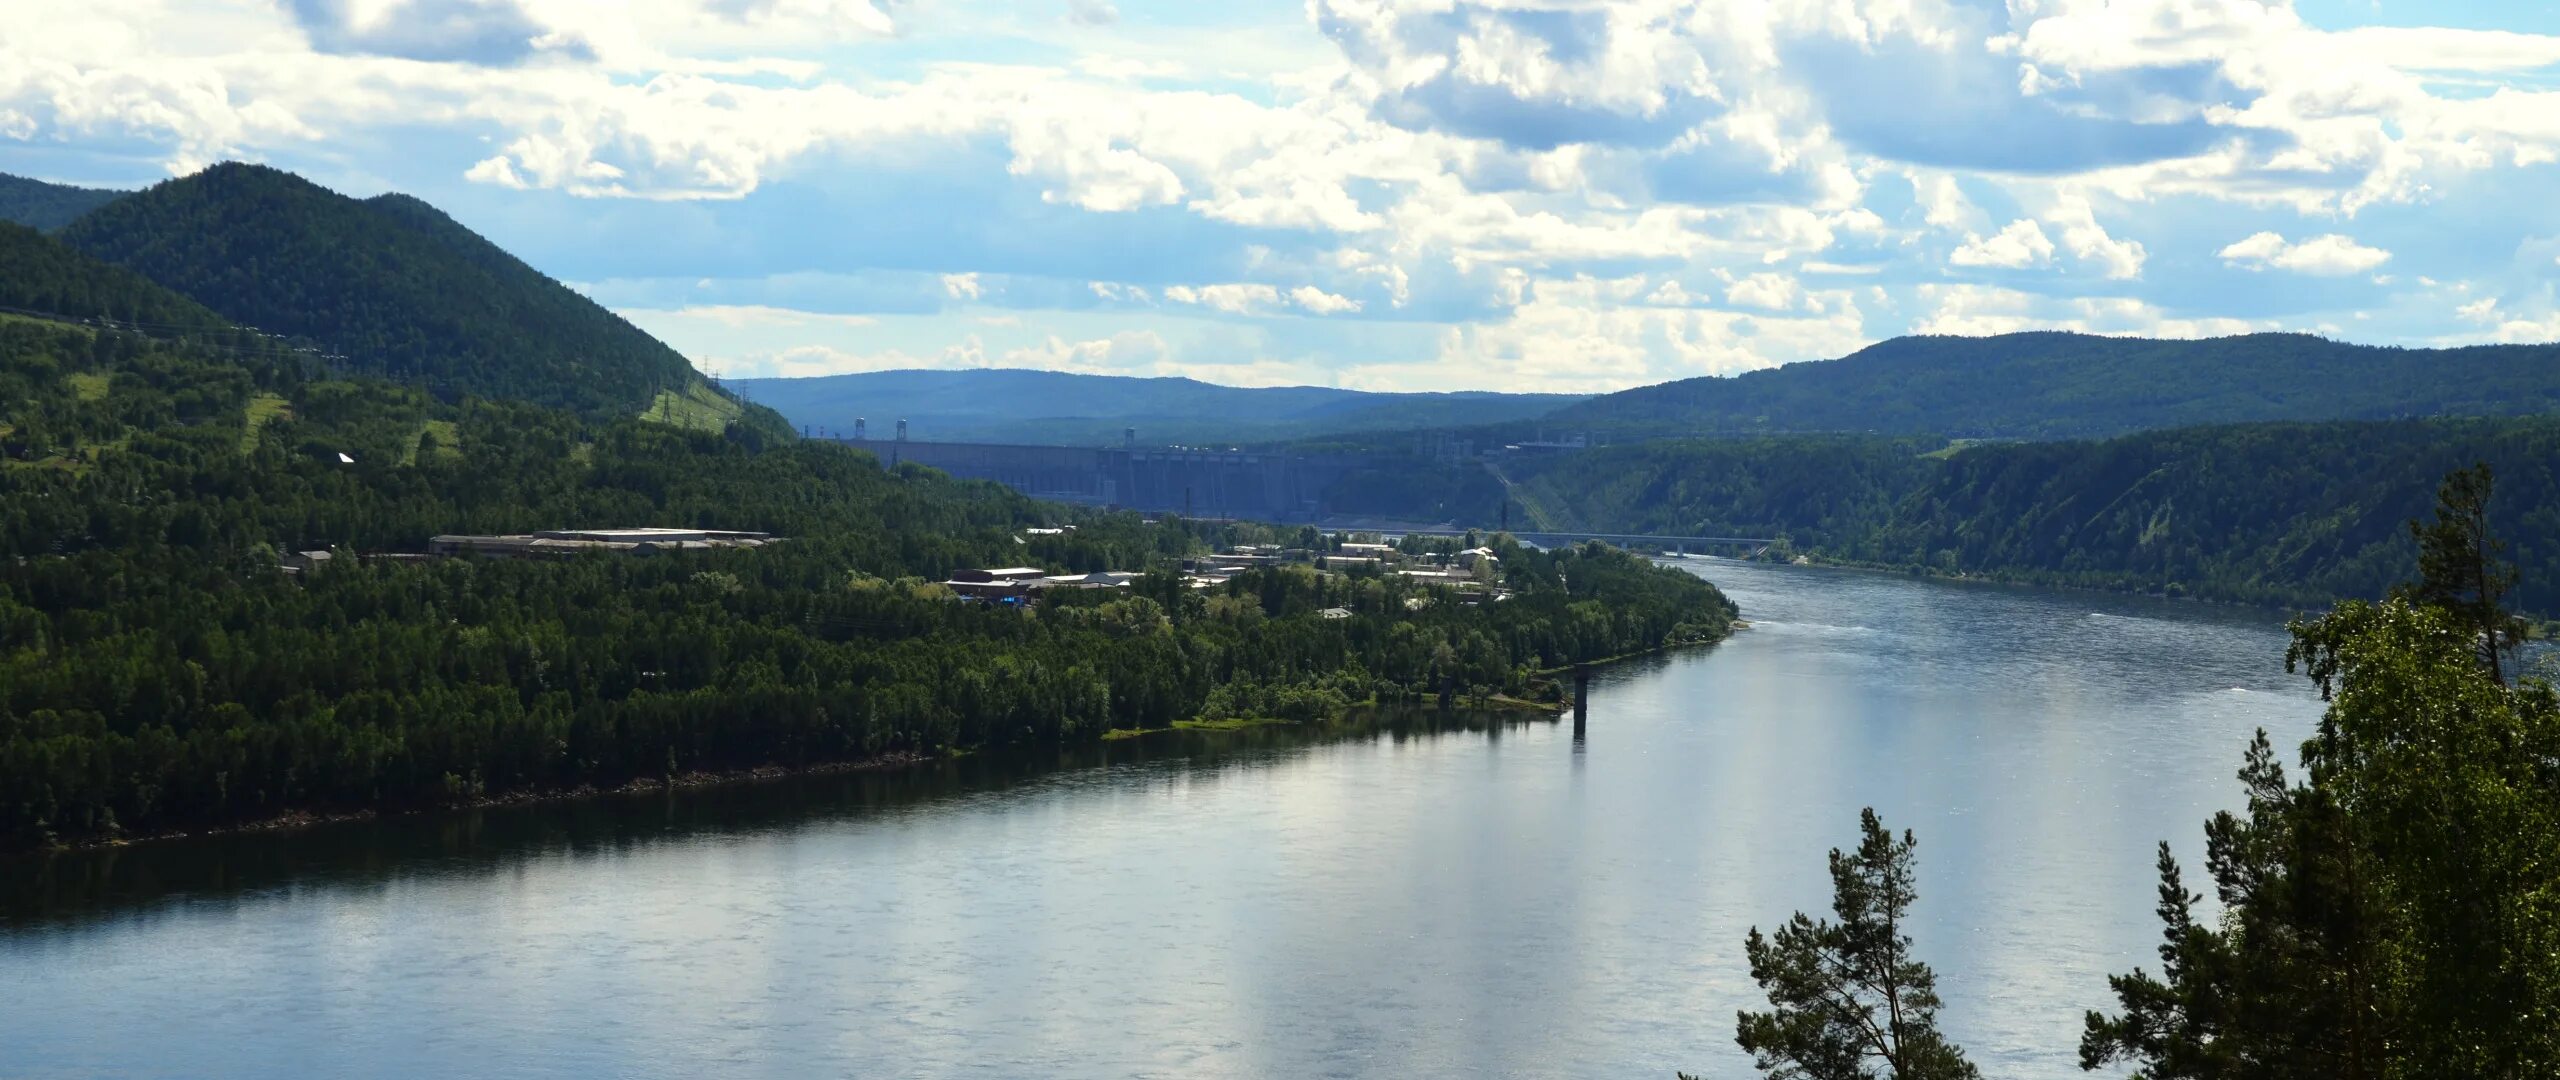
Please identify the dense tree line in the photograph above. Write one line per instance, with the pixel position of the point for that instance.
(157, 670)
(40, 275)
(2296, 514)
(2390, 911)
(390, 286)
(2058, 385)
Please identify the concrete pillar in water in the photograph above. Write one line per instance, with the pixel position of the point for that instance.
(1581, 698)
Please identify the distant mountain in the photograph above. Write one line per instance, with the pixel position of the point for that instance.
(1015, 405)
(39, 205)
(397, 289)
(2057, 385)
(38, 275)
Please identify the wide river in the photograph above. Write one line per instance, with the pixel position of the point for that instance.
(1449, 899)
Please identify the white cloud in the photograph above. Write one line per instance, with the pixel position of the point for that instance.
(1942, 203)
(1766, 291)
(2331, 255)
(2115, 259)
(1589, 334)
(1974, 310)
(1127, 352)
(1319, 302)
(1452, 169)
(1235, 298)
(2020, 246)
(746, 316)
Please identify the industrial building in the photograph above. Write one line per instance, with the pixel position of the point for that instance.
(556, 543)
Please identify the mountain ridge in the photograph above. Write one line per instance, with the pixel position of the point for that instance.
(2058, 384)
(1034, 404)
(46, 207)
(395, 288)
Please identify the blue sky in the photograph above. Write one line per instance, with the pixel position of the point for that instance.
(1387, 194)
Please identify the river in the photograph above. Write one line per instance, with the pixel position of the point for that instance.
(1449, 898)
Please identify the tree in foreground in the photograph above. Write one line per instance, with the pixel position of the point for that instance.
(1848, 1001)
(2396, 912)
(2462, 568)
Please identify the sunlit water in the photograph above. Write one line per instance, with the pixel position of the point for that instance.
(1468, 901)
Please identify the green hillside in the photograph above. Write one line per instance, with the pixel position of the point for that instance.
(2056, 385)
(2275, 513)
(391, 285)
(40, 276)
(39, 205)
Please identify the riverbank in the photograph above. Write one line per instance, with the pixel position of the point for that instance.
(305, 819)
(1494, 703)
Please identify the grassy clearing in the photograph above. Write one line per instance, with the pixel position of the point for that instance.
(90, 385)
(1952, 448)
(698, 407)
(56, 324)
(448, 436)
(262, 408)
(76, 466)
(1229, 724)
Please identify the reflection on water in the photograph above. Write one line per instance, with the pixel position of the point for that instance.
(1424, 898)
(97, 883)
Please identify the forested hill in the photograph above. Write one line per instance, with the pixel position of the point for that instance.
(39, 275)
(395, 287)
(39, 205)
(2278, 513)
(1066, 408)
(2058, 385)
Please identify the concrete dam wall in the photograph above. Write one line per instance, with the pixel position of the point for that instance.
(1211, 483)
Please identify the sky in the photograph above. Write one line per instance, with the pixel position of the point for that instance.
(1548, 195)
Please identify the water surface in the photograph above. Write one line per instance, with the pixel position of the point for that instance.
(1450, 898)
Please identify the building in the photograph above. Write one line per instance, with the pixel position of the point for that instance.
(559, 543)
(305, 562)
(1101, 579)
(1008, 583)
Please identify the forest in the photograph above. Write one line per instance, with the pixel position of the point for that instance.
(2277, 514)
(387, 287)
(158, 672)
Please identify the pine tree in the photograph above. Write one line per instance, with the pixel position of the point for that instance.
(1849, 1001)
